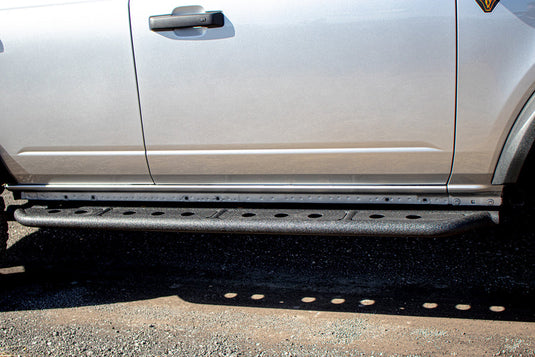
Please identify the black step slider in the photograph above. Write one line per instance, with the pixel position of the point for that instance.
(260, 220)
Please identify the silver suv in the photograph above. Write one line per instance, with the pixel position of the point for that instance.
(374, 117)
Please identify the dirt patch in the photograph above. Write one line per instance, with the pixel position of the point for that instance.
(75, 293)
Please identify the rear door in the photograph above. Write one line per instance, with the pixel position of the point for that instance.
(69, 111)
(298, 92)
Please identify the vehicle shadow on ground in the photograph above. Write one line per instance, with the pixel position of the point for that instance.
(485, 274)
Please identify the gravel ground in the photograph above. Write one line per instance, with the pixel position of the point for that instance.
(103, 293)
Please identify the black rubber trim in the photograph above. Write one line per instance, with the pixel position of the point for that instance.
(259, 220)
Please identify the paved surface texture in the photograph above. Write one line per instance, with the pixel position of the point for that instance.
(103, 293)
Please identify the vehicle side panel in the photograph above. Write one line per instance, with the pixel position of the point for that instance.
(69, 111)
(496, 78)
(300, 92)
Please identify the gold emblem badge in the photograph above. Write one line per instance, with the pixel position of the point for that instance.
(487, 5)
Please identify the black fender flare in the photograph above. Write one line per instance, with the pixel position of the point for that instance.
(517, 146)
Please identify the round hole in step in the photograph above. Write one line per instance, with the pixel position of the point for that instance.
(413, 216)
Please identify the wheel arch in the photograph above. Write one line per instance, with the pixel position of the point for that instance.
(517, 150)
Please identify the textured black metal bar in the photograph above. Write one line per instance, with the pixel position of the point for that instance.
(259, 220)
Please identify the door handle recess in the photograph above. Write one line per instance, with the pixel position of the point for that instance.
(171, 22)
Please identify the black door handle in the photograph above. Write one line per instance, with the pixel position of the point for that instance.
(171, 22)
